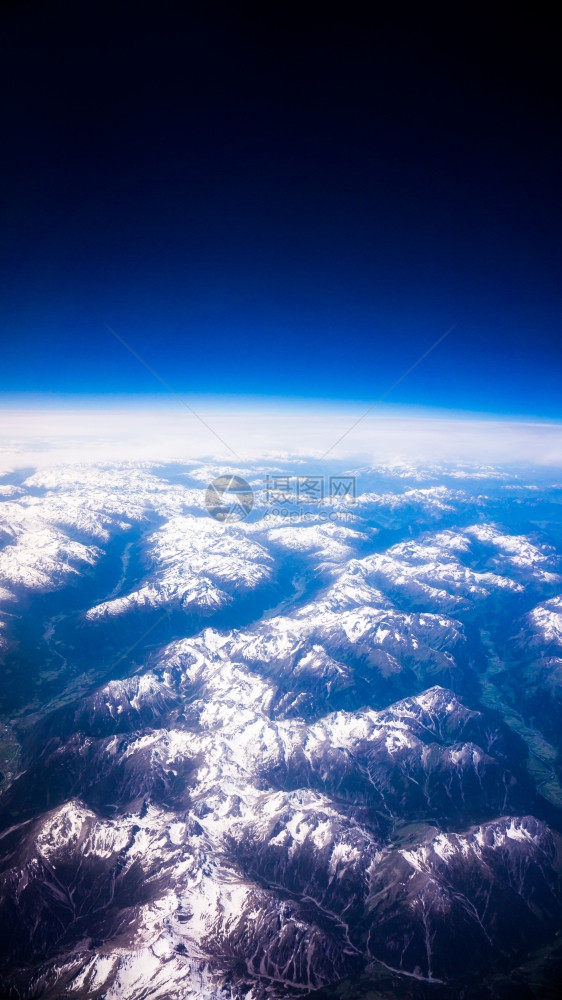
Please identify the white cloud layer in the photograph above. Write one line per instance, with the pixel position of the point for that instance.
(39, 437)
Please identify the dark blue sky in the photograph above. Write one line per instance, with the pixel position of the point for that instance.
(261, 203)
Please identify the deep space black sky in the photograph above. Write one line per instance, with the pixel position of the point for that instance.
(267, 202)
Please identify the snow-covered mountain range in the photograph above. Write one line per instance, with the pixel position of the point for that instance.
(310, 753)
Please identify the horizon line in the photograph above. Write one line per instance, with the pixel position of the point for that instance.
(238, 404)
